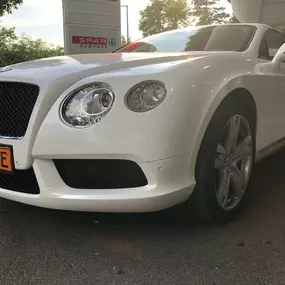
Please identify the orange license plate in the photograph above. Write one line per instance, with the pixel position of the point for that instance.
(6, 159)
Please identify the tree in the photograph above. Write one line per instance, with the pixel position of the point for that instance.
(6, 6)
(124, 40)
(14, 49)
(7, 36)
(234, 19)
(164, 15)
(207, 12)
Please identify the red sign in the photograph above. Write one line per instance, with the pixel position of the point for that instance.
(90, 42)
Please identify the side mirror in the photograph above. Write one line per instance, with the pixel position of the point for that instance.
(273, 66)
(280, 56)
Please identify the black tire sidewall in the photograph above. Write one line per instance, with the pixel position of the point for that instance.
(205, 192)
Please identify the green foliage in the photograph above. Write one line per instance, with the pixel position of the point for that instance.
(14, 49)
(164, 15)
(207, 12)
(124, 40)
(6, 6)
(233, 19)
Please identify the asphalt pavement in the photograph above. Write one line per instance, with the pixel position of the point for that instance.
(39, 246)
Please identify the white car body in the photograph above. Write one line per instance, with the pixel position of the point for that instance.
(163, 142)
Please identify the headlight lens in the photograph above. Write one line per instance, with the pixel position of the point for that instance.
(146, 96)
(88, 105)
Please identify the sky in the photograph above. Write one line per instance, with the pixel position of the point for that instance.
(43, 19)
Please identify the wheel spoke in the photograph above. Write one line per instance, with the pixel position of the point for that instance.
(243, 149)
(221, 150)
(233, 133)
(238, 181)
(223, 191)
(220, 160)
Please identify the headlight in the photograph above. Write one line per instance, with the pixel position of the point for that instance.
(87, 106)
(146, 96)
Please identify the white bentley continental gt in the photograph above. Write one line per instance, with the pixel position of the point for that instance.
(176, 117)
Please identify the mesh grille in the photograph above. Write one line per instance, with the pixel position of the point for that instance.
(100, 174)
(23, 181)
(17, 101)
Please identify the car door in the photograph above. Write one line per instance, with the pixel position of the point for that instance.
(272, 121)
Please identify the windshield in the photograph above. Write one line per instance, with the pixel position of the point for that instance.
(210, 38)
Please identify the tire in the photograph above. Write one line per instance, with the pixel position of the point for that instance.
(216, 168)
(3, 205)
(3, 208)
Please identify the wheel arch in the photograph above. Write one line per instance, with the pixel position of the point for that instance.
(243, 95)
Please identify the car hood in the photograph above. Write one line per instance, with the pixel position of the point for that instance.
(81, 66)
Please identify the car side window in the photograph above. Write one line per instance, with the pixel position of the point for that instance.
(270, 45)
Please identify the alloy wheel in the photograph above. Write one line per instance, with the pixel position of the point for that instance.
(233, 162)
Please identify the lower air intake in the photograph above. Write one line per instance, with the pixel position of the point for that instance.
(23, 181)
(100, 174)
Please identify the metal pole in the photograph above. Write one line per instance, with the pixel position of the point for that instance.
(128, 29)
(128, 35)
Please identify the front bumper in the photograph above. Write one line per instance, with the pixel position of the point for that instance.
(149, 139)
(169, 184)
